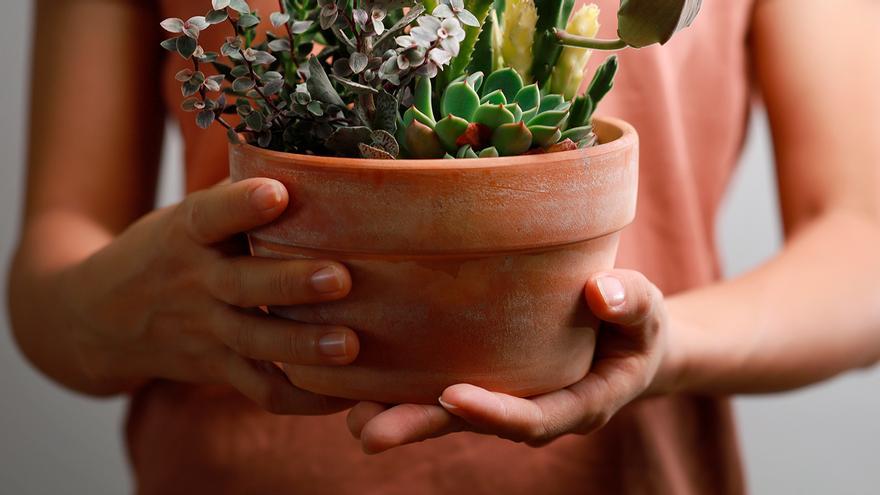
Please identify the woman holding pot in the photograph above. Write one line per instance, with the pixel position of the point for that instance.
(109, 296)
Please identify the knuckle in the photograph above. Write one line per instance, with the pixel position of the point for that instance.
(298, 347)
(288, 284)
(243, 340)
(232, 285)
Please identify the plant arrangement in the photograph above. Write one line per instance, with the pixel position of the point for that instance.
(408, 78)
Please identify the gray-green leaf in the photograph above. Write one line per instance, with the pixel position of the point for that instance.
(644, 22)
(319, 84)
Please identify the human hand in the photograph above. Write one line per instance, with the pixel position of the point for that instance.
(630, 348)
(176, 296)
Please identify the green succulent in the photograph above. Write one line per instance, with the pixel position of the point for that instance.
(495, 116)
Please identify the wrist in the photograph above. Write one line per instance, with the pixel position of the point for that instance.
(671, 377)
(104, 367)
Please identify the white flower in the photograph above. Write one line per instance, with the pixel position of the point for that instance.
(426, 32)
(439, 56)
(378, 15)
(451, 28)
(455, 9)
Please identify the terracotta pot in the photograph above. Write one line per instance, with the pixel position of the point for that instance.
(465, 271)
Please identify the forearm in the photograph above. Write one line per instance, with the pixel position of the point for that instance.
(810, 313)
(44, 323)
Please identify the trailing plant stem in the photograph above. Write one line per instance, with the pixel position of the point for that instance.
(567, 39)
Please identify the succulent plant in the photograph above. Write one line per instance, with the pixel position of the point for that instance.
(334, 75)
(495, 116)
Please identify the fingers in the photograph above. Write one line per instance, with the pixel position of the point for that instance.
(520, 420)
(361, 414)
(215, 214)
(249, 282)
(400, 425)
(623, 297)
(264, 337)
(267, 385)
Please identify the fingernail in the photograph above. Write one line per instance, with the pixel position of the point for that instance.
(612, 291)
(446, 405)
(333, 345)
(327, 280)
(266, 197)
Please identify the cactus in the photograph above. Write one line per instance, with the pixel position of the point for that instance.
(569, 70)
(498, 116)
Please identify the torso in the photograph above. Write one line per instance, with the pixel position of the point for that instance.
(689, 100)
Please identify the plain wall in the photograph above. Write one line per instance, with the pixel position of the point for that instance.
(819, 440)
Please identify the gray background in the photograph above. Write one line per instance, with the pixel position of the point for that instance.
(818, 440)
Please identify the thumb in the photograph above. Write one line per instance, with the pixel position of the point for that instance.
(624, 298)
(223, 211)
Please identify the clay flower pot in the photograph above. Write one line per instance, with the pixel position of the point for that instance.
(464, 271)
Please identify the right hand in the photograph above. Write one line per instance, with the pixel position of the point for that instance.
(176, 296)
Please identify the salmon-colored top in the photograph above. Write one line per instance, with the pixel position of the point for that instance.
(689, 100)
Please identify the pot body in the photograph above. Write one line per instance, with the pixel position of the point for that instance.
(465, 271)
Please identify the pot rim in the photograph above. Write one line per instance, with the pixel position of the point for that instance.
(626, 135)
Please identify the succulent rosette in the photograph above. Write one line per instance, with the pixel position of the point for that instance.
(363, 78)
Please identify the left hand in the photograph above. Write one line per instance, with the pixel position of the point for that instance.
(630, 348)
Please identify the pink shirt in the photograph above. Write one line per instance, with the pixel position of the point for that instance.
(689, 101)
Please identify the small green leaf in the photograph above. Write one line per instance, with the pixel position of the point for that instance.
(184, 75)
(512, 139)
(490, 152)
(492, 116)
(577, 134)
(552, 118)
(551, 102)
(239, 71)
(186, 46)
(449, 129)
(507, 80)
(494, 98)
(216, 16)
(248, 21)
(319, 84)
(422, 96)
(543, 136)
(170, 44)
(460, 100)
(279, 19)
(243, 84)
(528, 97)
(466, 152)
(580, 112)
(240, 6)
(413, 113)
(219, 4)
(422, 142)
(475, 80)
(279, 45)
(515, 110)
(205, 118)
(172, 25)
(603, 80)
(315, 108)
(255, 121)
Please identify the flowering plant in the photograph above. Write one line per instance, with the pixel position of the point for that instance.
(361, 78)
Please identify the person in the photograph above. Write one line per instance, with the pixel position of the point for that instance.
(109, 296)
